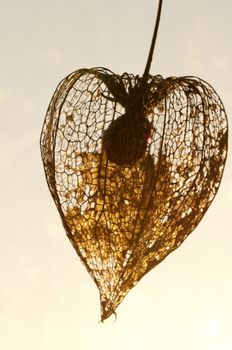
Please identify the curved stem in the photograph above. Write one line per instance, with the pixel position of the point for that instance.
(149, 59)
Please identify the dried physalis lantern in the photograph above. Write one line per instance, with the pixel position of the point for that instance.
(132, 163)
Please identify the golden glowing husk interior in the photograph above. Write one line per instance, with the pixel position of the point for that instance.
(123, 221)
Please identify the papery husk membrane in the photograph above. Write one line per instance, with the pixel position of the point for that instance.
(124, 220)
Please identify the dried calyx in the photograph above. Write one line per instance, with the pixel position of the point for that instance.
(132, 164)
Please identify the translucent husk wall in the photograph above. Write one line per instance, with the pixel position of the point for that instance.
(124, 220)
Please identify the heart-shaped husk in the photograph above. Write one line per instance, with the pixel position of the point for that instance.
(124, 220)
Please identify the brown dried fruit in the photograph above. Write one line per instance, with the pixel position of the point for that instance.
(128, 196)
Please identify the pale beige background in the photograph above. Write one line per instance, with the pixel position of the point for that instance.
(47, 299)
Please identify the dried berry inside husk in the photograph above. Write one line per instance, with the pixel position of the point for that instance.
(125, 140)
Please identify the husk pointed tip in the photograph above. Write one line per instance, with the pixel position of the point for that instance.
(107, 310)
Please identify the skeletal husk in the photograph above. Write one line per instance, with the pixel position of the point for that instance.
(124, 220)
